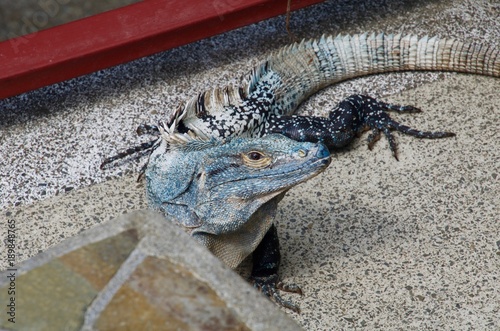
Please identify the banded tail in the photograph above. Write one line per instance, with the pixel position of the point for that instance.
(306, 67)
(281, 83)
(311, 65)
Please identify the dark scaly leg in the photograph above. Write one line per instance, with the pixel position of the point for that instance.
(141, 130)
(313, 129)
(346, 121)
(266, 262)
(375, 116)
(129, 151)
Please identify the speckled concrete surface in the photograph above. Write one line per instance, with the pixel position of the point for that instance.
(54, 139)
(374, 242)
(409, 245)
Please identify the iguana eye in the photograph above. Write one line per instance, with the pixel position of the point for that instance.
(255, 156)
(256, 159)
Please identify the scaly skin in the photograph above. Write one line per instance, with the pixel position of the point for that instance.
(227, 199)
(248, 175)
(288, 77)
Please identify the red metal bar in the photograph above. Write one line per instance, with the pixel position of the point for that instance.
(121, 35)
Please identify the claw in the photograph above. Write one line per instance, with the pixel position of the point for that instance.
(285, 303)
(374, 115)
(270, 287)
(392, 142)
(290, 288)
(373, 138)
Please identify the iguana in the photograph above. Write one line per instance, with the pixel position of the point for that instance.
(220, 164)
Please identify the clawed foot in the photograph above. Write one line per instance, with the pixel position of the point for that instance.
(372, 113)
(349, 119)
(270, 287)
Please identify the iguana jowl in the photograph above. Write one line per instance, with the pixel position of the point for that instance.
(263, 104)
(225, 193)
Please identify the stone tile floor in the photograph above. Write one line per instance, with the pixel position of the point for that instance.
(134, 273)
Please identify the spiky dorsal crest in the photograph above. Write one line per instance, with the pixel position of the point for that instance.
(194, 140)
(307, 66)
(249, 83)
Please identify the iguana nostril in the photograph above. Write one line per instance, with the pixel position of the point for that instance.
(322, 152)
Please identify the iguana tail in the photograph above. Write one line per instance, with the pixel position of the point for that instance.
(282, 82)
(308, 66)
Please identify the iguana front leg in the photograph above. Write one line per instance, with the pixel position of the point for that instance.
(351, 116)
(266, 261)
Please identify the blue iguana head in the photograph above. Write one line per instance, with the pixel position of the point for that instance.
(223, 188)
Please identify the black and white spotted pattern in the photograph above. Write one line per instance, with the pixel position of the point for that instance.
(266, 99)
(351, 116)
